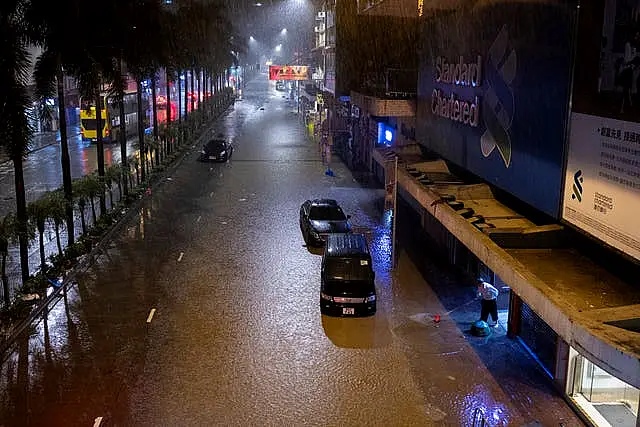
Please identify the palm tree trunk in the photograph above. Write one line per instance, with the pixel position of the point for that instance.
(93, 210)
(57, 229)
(193, 90)
(65, 159)
(111, 197)
(5, 279)
(100, 148)
(43, 258)
(166, 136)
(82, 220)
(179, 98)
(21, 216)
(123, 132)
(124, 176)
(154, 104)
(143, 149)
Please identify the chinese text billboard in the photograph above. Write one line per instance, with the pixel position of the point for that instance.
(602, 180)
(288, 72)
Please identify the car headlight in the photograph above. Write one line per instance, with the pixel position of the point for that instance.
(223, 152)
(326, 297)
(370, 298)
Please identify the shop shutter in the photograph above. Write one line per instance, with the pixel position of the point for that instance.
(538, 337)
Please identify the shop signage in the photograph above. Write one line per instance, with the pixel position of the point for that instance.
(288, 72)
(457, 73)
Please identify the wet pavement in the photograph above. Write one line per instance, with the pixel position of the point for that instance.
(43, 171)
(204, 311)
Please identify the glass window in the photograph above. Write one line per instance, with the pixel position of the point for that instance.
(607, 400)
(326, 213)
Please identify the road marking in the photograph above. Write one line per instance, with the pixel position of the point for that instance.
(224, 222)
(180, 257)
(210, 169)
(242, 200)
(211, 194)
(199, 218)
(151, 313)
(97, 421)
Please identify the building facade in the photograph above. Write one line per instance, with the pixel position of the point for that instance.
(529, 125)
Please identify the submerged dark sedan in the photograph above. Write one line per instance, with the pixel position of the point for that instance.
(218, 150)
(320, 217)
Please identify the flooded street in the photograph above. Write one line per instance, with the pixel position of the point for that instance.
(204, 310)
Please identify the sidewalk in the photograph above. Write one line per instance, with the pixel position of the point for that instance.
(519, 375)
(44, 139)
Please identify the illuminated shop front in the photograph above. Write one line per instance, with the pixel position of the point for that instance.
(605, 399)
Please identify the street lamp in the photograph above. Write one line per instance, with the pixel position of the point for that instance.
(251, 39)
(284, 31)
(278, 48)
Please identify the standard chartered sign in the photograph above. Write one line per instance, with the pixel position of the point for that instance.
(458, 73)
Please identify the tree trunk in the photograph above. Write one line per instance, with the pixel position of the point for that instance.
(65, 159)
(124, 176)
(193, 90)
(143, 149)
(93, 210)
(179, 96)
(82, 220)
(57, 229)
(43, 257)
(100, 148)
(5, 279)
(154, 104)
(111, 197)
(21, 216)
(123, 134)
(166, 135)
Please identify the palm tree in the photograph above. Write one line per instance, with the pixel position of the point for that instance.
(94, 187)
(39, 213)
(48, 22)
(8, 232)
(57, 214)
(15, 130)
(81, 196)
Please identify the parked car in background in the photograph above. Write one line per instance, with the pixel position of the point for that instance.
(320, 217)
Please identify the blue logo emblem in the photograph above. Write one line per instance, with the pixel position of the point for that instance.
(578, 179)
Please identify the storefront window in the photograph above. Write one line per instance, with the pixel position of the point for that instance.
(607, 400)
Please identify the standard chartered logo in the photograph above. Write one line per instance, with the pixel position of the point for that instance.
(498, 103)
(578, 179)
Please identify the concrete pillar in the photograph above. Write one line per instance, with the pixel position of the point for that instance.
(515, 308)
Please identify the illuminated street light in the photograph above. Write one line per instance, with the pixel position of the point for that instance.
(251, 39)
(284, 31)
(278, 48)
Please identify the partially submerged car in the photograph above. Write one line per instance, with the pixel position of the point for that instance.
(319, 218)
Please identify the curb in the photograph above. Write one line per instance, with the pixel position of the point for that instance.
(90, 257)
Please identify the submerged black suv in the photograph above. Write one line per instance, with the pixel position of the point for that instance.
(320, 217)
(347, 276)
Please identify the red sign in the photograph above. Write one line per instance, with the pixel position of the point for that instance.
(288, 72)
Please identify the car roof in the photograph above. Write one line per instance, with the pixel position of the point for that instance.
(346, 244)
(324, 202)
(216, 141)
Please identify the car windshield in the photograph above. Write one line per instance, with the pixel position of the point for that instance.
(354, 270)
(216, 145)
(326, 213)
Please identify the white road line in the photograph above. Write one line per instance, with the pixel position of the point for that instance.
(97, 422)
(199, 218)
(180, 257)
(151, 313)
